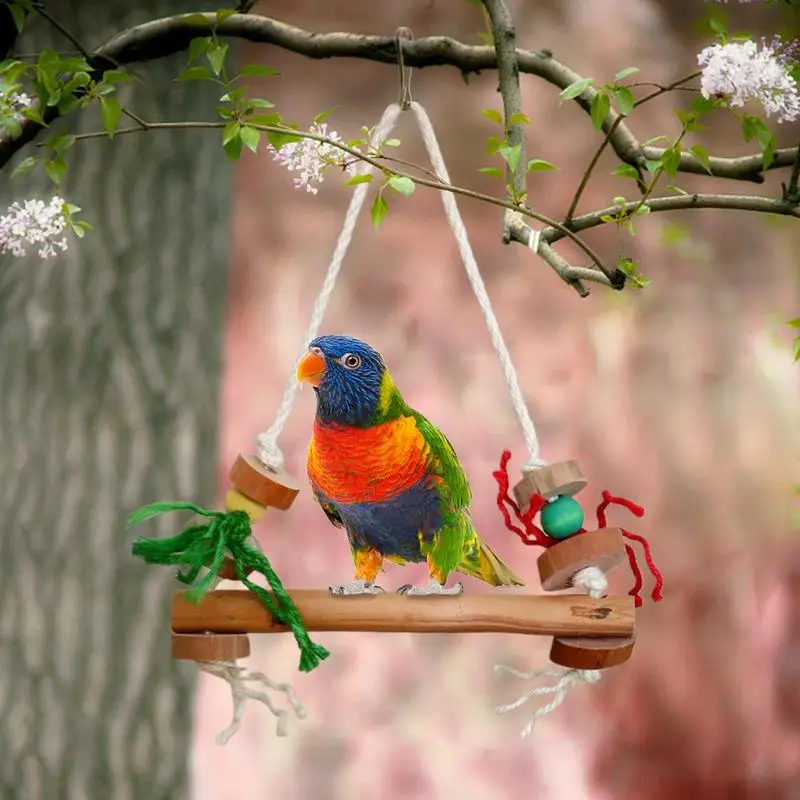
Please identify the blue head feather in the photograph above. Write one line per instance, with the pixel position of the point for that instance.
(350, 389)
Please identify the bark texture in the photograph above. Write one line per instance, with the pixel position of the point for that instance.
(108, 399)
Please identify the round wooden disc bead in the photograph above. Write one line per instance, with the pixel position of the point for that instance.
(589, 653)
(558, 564)
(262, 485)
(210, 646)
(564, 477)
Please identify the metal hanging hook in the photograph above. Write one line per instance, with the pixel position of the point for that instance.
(405, 72)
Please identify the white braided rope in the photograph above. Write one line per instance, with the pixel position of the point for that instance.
(594, 581)
(479, 288)
(267, 442)
(238, 679)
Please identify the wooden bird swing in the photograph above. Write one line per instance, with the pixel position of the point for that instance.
(591, 631)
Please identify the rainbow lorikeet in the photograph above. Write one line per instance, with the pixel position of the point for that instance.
(387, 476)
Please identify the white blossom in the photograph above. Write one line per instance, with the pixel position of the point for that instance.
(311, 158)
(33, 222)
(740, 71)
(12, 104)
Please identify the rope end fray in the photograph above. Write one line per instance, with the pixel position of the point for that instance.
(238, 678)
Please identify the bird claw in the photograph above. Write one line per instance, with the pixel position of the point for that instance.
(433, 588)
(354, 588)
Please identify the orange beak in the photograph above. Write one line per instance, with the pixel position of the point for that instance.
(311, 369)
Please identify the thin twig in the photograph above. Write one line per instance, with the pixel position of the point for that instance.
(617, 122)
(45, 14)
(373, 161)
(790, 191)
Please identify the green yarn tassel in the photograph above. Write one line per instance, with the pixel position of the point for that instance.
(201, 545)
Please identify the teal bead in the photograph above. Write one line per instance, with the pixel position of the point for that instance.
(562, 518)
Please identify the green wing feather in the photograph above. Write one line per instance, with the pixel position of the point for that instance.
(444, 463)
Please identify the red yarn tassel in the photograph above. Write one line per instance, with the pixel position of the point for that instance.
(529, 533)
(638, 511)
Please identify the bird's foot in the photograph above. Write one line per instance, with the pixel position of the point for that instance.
(433, 588)
(355, 587)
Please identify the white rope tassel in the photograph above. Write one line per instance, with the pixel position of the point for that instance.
(238, 678)
(594, 581)
(268, 450)
(476, 281)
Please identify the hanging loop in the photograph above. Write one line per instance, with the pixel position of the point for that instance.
(405, 72)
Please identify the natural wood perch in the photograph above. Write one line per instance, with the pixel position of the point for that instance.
(568, 615)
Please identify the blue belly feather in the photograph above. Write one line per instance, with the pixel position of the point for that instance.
(392, 527)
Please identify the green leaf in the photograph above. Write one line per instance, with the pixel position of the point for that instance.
(717, 24)
(224, 13)
(323, 115)
(511, 155)
(230, 132)
(702, 105)
(278, 140)
(11, 125)
(624, 98)
(402, 184)
(379, 210)
(26, 165)
(260, 69)
(671, 160)
(201, 20)
(110, 110)
(518, 119)
(18, 15)
(233, 146)
(366, 178)
(794, 323)
(264, 119)
(576, 89)
(655, 140)
(216, 56)
(493, 144)
(626, 171)
(56, 169)
(250, 137)
(540, 165)
(199, 47)
(196, 73)
(797, 349)
(701, 154)
(391, 143)
(493, 115)
(114, 76)
(599, 108)
(258, 102)
(61, 142)
(626, 73)
(493, 171)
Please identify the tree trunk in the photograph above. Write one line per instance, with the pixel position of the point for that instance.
(111, 358)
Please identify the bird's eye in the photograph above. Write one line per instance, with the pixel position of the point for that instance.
(351, 361)
(315, 350)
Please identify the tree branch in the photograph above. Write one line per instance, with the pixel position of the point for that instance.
(763, 205)
(164, 37)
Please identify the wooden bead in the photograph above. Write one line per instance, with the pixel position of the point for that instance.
(562, 518)
(236, 501)
(210, 646)
(263, 485)
(586, 653)
(564, 477)
(558, 564)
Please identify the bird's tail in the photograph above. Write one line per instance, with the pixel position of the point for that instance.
(482, 563)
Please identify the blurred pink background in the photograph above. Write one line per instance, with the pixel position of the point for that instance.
(682, 396)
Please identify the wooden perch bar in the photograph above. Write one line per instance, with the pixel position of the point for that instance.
(566, 615)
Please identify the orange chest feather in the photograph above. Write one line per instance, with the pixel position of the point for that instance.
(362, 465)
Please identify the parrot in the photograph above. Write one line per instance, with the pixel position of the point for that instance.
(386, 475)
